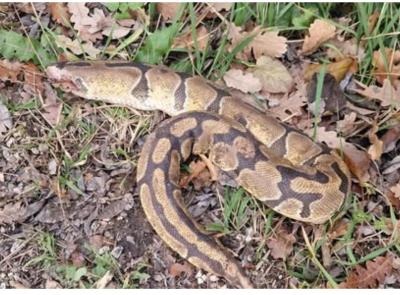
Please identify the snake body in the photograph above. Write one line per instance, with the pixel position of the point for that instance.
(276, 163)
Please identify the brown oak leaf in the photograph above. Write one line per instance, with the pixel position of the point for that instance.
(186, 40)
(376, 149)
(168, 10)
(336, 69)
(268, 43)
(273, 75)
(387, 94)
(387, 66)
(320, 31)
(176, 269)
(281, 245)
(245, 82)
(357, 160)
(59, 13)
(370, 276)
(9, 71)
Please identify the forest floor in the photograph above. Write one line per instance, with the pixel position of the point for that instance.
(69, 210)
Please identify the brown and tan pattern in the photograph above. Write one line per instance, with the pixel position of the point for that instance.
(277, 164)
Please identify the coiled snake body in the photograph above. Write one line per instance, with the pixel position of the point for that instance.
(277, 164)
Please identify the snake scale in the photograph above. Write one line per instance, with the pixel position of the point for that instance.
(276, 163)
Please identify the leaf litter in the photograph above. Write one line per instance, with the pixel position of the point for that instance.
(356, 116)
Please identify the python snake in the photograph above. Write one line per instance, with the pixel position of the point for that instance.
(276, 163)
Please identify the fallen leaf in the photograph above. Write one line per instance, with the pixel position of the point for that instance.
(16, 212)
(52, 106)
(186, 40)
(390, 138)
(376, 148)
(176, 269)
(245, 82)
(345, 48)
(104, 281)
(220, 6)
(273, 75)
(92, 27)
(337, 69)
(393, 198)
(387, 66)
(77, 47)
(289, 106)
(319, 32)
(281, 245)
(116, 207)
(5, 119)
(264, 42)
(59, 13)
(347, 124)
(387, 95)
(33, 78)
(79, 15)
(396, 190)
(199, 175)
(268, 43)
(371, 275)
(372, 20)
(9, 71)
(168, 10)
(356, 160)
(339, 230)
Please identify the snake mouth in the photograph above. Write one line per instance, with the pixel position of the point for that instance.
(63, 79)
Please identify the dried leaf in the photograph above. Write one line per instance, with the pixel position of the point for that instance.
(116, 207)
(33, 78)
(9, 71)
(176, 269)
(387, 66)
(93, 27)
(376, 149)
(245, 82)
(357, 160)
(319, 32)
(79, 15)
(281, 245)
(390, 138)
(268, 43)
(387, 95)
(59, 13)
(104, 281)
(394, 196)
(187, 41)
(337, 69)
(344, 49)
(76, 47)
(52, 106)
(372, 20)
(168, 10)
(339, 230)
(263, 42)
(15, 212)
(273, 75)
(371, 275)
(290, 106)
(5, 119)
(347, 125)
(396, 190)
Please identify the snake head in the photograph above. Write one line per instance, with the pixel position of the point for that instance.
(67, 77)
(95, 80)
